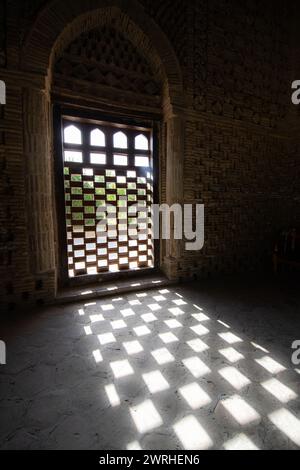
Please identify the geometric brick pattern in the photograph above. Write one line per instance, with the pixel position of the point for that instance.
(241, 156)
(106, 57)
(240, 61)
(172, 17)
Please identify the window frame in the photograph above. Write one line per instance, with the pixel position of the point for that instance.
(136, 125)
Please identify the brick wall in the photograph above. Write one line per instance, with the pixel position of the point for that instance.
(248, 189)
(241, 156)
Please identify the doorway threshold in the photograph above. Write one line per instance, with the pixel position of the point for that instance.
(112, 288)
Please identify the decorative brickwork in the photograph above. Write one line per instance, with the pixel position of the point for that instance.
(240, 61)
(102, 61)
(38, 183)
(237, 165)
(172, 17)
(56, 27)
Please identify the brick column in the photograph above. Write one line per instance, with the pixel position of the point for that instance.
(39, 194)
(174, 189)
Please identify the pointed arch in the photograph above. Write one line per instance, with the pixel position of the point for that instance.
(59, 23)
(97, 138)
(55, 27)
(72, 135)
(120, 140)
(141, 142)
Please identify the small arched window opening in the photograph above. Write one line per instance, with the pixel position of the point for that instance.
(97, 138)
(120, 140)
(72, 135)
(141, 142)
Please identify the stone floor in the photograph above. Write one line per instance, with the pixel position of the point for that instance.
(199, 366)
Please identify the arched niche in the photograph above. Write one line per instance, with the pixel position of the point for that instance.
(57, 25)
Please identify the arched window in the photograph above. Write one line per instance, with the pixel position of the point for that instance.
(141, 142)
(108, 178)
(120, 140)
(97, 138)
(72, 135)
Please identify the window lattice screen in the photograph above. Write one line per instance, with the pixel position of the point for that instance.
(108, 195)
